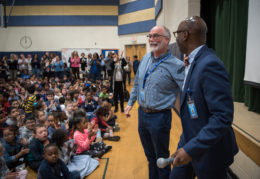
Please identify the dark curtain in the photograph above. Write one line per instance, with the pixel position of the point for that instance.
(227, 35)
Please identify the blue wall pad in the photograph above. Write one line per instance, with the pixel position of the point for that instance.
(63, 2)
(158, 8)
(135, 6)
(137, 27)
(63, 20)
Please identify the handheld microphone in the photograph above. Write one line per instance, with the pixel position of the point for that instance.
(163, 162)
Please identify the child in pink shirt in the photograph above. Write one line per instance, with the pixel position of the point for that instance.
(82, 136)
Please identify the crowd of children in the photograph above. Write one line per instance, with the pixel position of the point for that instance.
(54, 126)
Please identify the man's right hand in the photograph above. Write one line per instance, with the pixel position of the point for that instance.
(127, 110)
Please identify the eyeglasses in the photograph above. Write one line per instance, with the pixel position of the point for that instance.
(177, 32)
(155, 36)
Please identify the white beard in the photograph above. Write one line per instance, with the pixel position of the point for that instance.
(158, 46)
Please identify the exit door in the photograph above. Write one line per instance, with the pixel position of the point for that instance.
(138, 49)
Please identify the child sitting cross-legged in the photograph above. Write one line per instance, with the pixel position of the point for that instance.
(40, 140)
(26, 131)
(15, 152)
(5, 173)
(90, 105)
(110, 117)
(106, 130)
(53, 167)
(54, 124)
(81, 163)
(84, 137)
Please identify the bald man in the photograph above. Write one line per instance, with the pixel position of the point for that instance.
(157, 84)
(207, 145)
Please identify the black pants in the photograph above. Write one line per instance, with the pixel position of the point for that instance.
(119, 92)
(75, 72)
(128, 76)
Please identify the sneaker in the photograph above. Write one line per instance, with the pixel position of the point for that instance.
(116, 128)
(107, 148)
(114, 138)
(116, 110)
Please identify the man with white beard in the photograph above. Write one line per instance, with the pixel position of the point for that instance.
(158, 81)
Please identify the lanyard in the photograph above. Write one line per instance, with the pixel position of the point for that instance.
(153, 68)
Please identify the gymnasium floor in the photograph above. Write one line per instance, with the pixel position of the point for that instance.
(127, 159)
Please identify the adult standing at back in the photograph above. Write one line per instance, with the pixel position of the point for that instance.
(108, 63)
(127, 69)
(135, 64)
(75, 64)
(157, 84)
(207, 145)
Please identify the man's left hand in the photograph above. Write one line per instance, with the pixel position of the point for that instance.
(181, 157)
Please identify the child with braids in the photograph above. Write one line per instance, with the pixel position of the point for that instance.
(81, 163)
(84, 135)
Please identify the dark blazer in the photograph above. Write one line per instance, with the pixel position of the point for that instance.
(209, 139)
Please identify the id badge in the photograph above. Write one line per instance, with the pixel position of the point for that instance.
(192, 109)
(142, 96)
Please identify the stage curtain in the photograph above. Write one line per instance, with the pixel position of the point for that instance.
(227, 35)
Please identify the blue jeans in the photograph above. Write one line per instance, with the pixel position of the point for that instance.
(36, 72)
(95, 76)
(154, 132)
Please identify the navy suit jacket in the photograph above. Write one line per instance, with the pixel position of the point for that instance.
(209, 139)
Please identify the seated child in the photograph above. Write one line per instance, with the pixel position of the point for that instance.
(53, 167)
(15, 152)
(106, 130)
(3, 125)
(104, 95)
(51, 104)
(5, 172)
(90, 105)
(82, 163)
(28, 103)
(75, 106)
(83, 137)
(15, 103)
(62, 103)
(69, 109)
(110, 118)
(26, 131)
(12, 96)
(13, 114)
(54, 124)
(41, 118)
(40, 140)
(57, 94)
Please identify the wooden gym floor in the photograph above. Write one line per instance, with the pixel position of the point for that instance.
(127, 159)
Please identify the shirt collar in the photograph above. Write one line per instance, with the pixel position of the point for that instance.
(161, 56)
(194, 53)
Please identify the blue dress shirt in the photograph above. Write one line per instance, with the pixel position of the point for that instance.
(162, 85)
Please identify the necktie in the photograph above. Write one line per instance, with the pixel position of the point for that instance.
(186, 61)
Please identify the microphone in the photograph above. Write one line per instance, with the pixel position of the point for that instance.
(163, 162)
